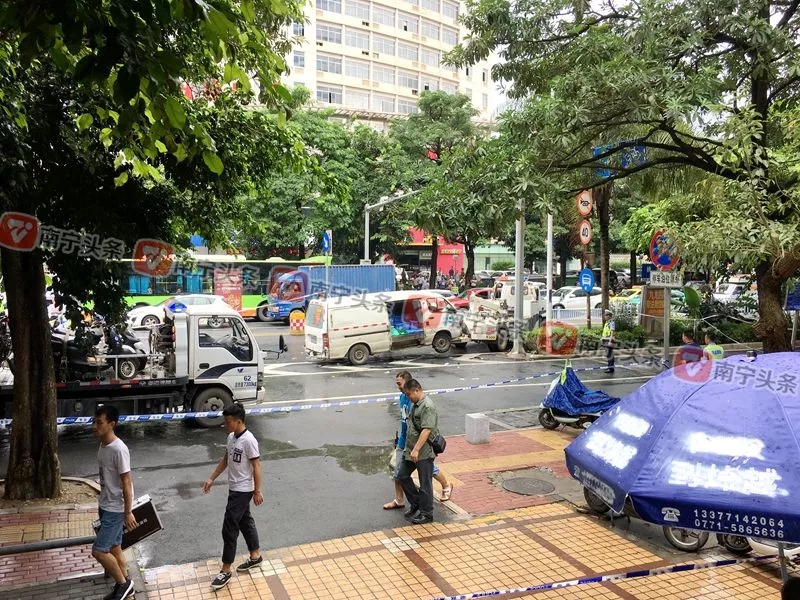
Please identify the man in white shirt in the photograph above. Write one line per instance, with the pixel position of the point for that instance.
(243, 461)
(116, 501)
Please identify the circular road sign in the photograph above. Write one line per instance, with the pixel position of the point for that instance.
(585, 203)
(586, 279)
(585, 232)
(664, 250)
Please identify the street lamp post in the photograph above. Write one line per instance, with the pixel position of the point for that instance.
(384, 200)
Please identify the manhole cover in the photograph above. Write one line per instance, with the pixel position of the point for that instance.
(528, 486)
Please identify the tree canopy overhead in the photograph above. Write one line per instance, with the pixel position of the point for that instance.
(635, 86)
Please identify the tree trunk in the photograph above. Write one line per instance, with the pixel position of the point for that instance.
(633, 268)
(34, 470)
(469, 251)
(772, 326)
(602, 197)
(434, 260)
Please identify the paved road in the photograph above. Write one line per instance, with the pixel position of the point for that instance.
(326, 470)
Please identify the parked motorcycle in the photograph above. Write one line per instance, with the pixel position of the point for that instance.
(125, 352)
(568, 402)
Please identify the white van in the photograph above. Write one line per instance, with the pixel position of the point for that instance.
(533, 292)
(355, 327)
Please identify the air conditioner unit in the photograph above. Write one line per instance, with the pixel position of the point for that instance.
(376, 55)
(376, 26)
(415, 64)
(416, 8)
(424, 39)
(414, 92)
(376, 84)
(319, 43)
(414, 36)
(365, 82)
(365, 23)
(423, 67)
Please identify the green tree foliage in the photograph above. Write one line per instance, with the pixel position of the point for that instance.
(698, 84)
(99, 139)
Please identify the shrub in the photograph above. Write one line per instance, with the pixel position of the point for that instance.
(729, 332)
(502, 265)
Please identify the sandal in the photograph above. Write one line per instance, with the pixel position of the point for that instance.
(393, 505)
(446, 493)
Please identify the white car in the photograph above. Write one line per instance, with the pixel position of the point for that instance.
(574, 298)
(444, 293)
(151, 315)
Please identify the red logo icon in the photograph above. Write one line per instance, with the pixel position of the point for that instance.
(19, 231)
(153, 258)
(563, 339)
(691, 365)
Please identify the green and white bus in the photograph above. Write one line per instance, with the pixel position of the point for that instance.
(244, 283)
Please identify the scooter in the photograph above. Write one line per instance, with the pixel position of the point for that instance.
(569, 403)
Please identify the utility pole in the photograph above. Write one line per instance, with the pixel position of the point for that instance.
(518, 349)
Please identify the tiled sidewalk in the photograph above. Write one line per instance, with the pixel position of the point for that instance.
(46, 566)
(535, 545)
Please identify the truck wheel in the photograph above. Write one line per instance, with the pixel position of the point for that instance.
(358, 354)
(503, 342)
(262, 312)
(215, 399)
(442, 342)
(215, 322)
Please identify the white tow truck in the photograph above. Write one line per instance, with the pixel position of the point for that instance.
(491, 320)
(204, 360)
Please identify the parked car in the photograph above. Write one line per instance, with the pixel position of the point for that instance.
(446, 293)
(462, 300)
(729, 292)
(571, 297)
(153, 314)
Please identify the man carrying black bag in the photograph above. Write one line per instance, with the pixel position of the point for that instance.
(423, 427)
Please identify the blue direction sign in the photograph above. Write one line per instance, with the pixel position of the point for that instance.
(326, 241)
(586, 280)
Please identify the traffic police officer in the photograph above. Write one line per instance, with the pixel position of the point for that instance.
(609, 331)
(713, 351)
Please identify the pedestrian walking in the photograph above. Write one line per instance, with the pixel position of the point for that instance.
(400, 443)
(608, 339)
(713, 351)
(423, 425)
(242, 459)
(115, 505)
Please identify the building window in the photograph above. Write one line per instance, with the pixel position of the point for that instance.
(383, 74)
(430, 57)
(356, 68)
(407, 22)
(298, 29)
(485, 101)
(334, 6)
(329, 94)
(383, 45)
(449, 88)
(406, 79)
(429, 84)
(408, 51)
(384, 16)
(356, 39)
(383, 103)
(329, 33)
(449, 36)
(468, 93)
(485, 76)
(431, 5)
(299, 59)
(359, 10)
(430, 30)
(406, 107)
(355, 99)
(329, 64)
(412, 2)
(450, 9)
(467, 71)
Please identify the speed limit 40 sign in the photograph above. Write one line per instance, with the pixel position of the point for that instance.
(585, 232)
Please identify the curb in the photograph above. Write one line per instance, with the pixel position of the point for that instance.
(53, 507)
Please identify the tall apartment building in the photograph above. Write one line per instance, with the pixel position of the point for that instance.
(371, 59)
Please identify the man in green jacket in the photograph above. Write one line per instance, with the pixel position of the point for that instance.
(423, 425)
